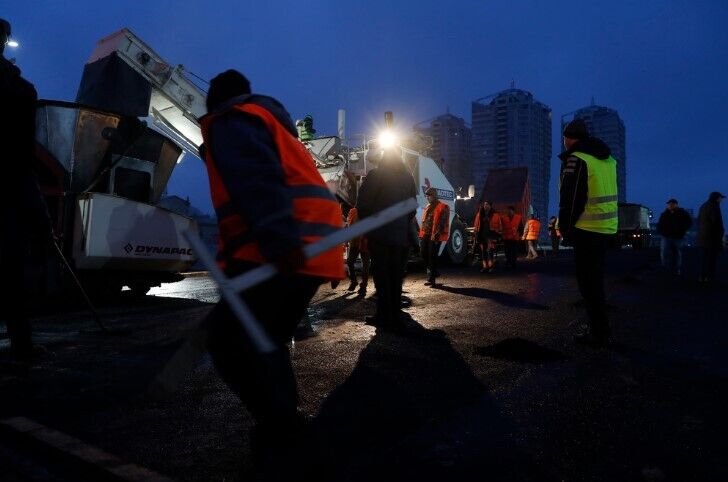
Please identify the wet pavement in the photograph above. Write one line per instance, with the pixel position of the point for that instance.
(486, 385)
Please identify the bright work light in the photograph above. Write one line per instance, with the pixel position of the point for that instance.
(13, 43)
(387, 139)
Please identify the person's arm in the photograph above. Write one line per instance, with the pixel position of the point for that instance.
(573, 194)
(440, 228)
(661, 224)
(248, 163)
(366, 200)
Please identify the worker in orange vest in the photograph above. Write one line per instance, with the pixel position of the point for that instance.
(270, 202)
(357, 247)
(530, 235)
(434, 230)
(512, 232)
(488, 228)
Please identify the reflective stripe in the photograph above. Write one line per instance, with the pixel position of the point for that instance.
(597, 216)
(311, 191)
(602, 199)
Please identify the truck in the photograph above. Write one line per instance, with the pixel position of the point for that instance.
(102, 170)
(633, 227)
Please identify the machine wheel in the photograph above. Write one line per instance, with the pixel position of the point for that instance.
(457, 245)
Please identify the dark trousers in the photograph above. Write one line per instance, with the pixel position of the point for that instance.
(355, 252)
(388, 273)
(13, 295)
(430, 251)
(510, 246)
(590, 251)
(555, 244)
(265, 383)
(708, 262)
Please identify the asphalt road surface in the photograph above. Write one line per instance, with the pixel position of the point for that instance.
(486, 385)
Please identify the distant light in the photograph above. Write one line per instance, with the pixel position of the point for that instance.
(13, 43)
(387, 139)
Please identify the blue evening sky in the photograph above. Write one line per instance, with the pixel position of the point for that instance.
(661, 64)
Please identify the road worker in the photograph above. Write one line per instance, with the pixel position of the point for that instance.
(530, 235)
(512, 232)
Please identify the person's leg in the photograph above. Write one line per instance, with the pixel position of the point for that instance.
(379, 256)
(511, 249)
(425, 252)
(13, 298)
(712, 261)
(665, 252)
(396, 274)
(434, 255)
(351, 264)
(589, 253)
(365, 263)
(678, 244)
(554, 246)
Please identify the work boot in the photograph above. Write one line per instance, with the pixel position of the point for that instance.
(352, 285)
(363, 289)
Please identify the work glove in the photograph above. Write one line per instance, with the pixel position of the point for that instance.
(290, 261)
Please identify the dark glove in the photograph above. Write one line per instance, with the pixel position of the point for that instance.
(290, 261)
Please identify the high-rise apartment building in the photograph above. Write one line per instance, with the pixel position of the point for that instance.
(450, 147)
(606, 124)
(512, 129)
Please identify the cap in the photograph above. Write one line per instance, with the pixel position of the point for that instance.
(671, 200)
(715, 195)
(576, 129)
(431, 191)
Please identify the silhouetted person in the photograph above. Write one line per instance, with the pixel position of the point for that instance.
(270, 202)
(512, 233)
(710, 235)
(554, 234)
(673, 224)
(588, 219)
(434, 230)
(487, 228)
(385, 185)
(357, 248)
(22, 210)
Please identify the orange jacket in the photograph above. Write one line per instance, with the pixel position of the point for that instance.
(511, 227)
(495, 222)
(315, 209)
(533, 229)
(440, 217)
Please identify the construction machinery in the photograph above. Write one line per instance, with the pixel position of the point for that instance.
(102, 170)
(105, 161)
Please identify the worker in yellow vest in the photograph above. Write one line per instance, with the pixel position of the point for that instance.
(530, 235)
(588, 219)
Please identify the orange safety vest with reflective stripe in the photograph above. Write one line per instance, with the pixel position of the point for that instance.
(315, 209)
(441, 210)
(510, 227)
(533, 228)
(495, 222)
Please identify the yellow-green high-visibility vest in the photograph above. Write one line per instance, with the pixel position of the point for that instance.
(600, 213)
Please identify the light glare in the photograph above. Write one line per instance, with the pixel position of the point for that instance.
(13, 43)
(387, 139)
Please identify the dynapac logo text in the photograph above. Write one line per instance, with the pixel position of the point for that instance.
(142, 249)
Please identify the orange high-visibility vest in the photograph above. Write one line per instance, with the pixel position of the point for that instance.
(441, 210)
(510, 227)
(495, 222)
(315, 209)
(533, 228)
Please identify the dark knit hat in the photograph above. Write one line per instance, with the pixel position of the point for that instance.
(5, 28)
(671, 200)
(225, 86)
(431, 191)
(576, 129)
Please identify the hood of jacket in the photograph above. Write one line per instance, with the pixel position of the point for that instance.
(591, 145)
(268, 103)
(8, 71)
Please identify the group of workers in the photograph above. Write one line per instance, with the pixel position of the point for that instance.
(271, 202)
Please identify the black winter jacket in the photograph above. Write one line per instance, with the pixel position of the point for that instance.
(710, 225)
(674, 224)
(22, 210)
(247, 160)
(384, 186)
